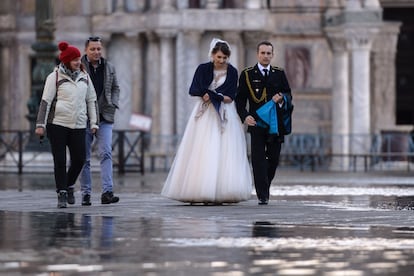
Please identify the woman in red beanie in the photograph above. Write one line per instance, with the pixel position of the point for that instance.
(68, 101)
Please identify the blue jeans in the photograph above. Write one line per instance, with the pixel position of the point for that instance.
(104, 142)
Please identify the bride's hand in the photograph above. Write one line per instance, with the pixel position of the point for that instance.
(206, 97)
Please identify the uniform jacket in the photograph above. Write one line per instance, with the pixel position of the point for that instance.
(254, 89)
(71, 104)
(109, 100)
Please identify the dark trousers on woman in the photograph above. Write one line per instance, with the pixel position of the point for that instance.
(74, 139)
(265, 152)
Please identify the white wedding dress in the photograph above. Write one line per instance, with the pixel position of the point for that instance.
(211, 164)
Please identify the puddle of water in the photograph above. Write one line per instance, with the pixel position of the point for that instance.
(73, 243)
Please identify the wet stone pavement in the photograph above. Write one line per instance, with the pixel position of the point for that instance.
(328, 224)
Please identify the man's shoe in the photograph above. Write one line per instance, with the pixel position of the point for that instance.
(62, 199)
(108, 198)
(71, 196)
(86, 200)
(263, 201)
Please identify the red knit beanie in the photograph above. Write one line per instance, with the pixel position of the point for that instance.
(68, 52)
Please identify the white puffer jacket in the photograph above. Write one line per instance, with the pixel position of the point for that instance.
(73, 104)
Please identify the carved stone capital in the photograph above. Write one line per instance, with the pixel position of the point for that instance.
(232, 37)
(386, 39)
(336, 39)
(251, 39)
(166, 33)
(360, 38)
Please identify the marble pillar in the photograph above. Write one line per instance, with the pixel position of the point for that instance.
(359, 42)
(384, 51)
(138, 97)
(233, 38)
(353, 5)
(213, 4)
(167, 91)
(152, 83)
(188, 53)
(340, 99)
(251, 39)
(371, 4)
(253, 4)
(119, 51)
(5, 81)
(167, 5)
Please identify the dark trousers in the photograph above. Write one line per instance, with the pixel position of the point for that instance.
(265, 151)
(74, 139)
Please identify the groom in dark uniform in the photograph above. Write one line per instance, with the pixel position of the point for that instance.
(258, 85)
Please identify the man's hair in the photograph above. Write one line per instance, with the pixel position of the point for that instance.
(92, 38)
(265, 42)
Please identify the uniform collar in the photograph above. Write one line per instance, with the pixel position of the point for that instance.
(261, 67)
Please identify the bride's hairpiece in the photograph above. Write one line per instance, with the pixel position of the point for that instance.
(213, 43)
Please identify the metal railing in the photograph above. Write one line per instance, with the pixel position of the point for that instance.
(18, 153)
(135, 151)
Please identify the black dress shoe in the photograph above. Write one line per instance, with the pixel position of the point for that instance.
(71, 196)
(86, 200)
(108, 198)
(263, 201)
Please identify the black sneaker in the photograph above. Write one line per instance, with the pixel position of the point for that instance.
(263, 201)
(108, 198)
(86, 200)
(71, 196)
(62, 199)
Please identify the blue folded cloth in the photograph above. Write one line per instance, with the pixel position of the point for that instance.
(268, 116)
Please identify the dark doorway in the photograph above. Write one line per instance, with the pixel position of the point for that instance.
(404, 63)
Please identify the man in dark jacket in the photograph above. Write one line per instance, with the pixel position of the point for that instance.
(257, 86)
(106, 85)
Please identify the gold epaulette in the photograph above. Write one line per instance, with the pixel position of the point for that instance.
(277, 68)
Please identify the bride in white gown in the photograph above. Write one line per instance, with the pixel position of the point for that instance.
(211, 164)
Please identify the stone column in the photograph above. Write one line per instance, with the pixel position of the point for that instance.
(182, 4)
(138, 97)
(119, 53)
(371, 4)
(213, 4)
(384, 50)
(251, 39)
(353, 5)
(5, 81)
(253, 4)
(167, 5)
(340, 98)
(188, 57)
(233, 38)
(359, 42)
(152, 84)
(167, 93)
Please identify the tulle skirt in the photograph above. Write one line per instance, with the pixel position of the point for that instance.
(211, 164)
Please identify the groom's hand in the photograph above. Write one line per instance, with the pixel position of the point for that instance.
(250, 121)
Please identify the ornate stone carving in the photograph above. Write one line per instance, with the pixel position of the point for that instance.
(359, 38)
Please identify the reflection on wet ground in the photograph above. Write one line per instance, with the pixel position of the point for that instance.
(71, 243)
(314, 228)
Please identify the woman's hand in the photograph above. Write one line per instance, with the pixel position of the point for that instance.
(40, 131)
(206, 97)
